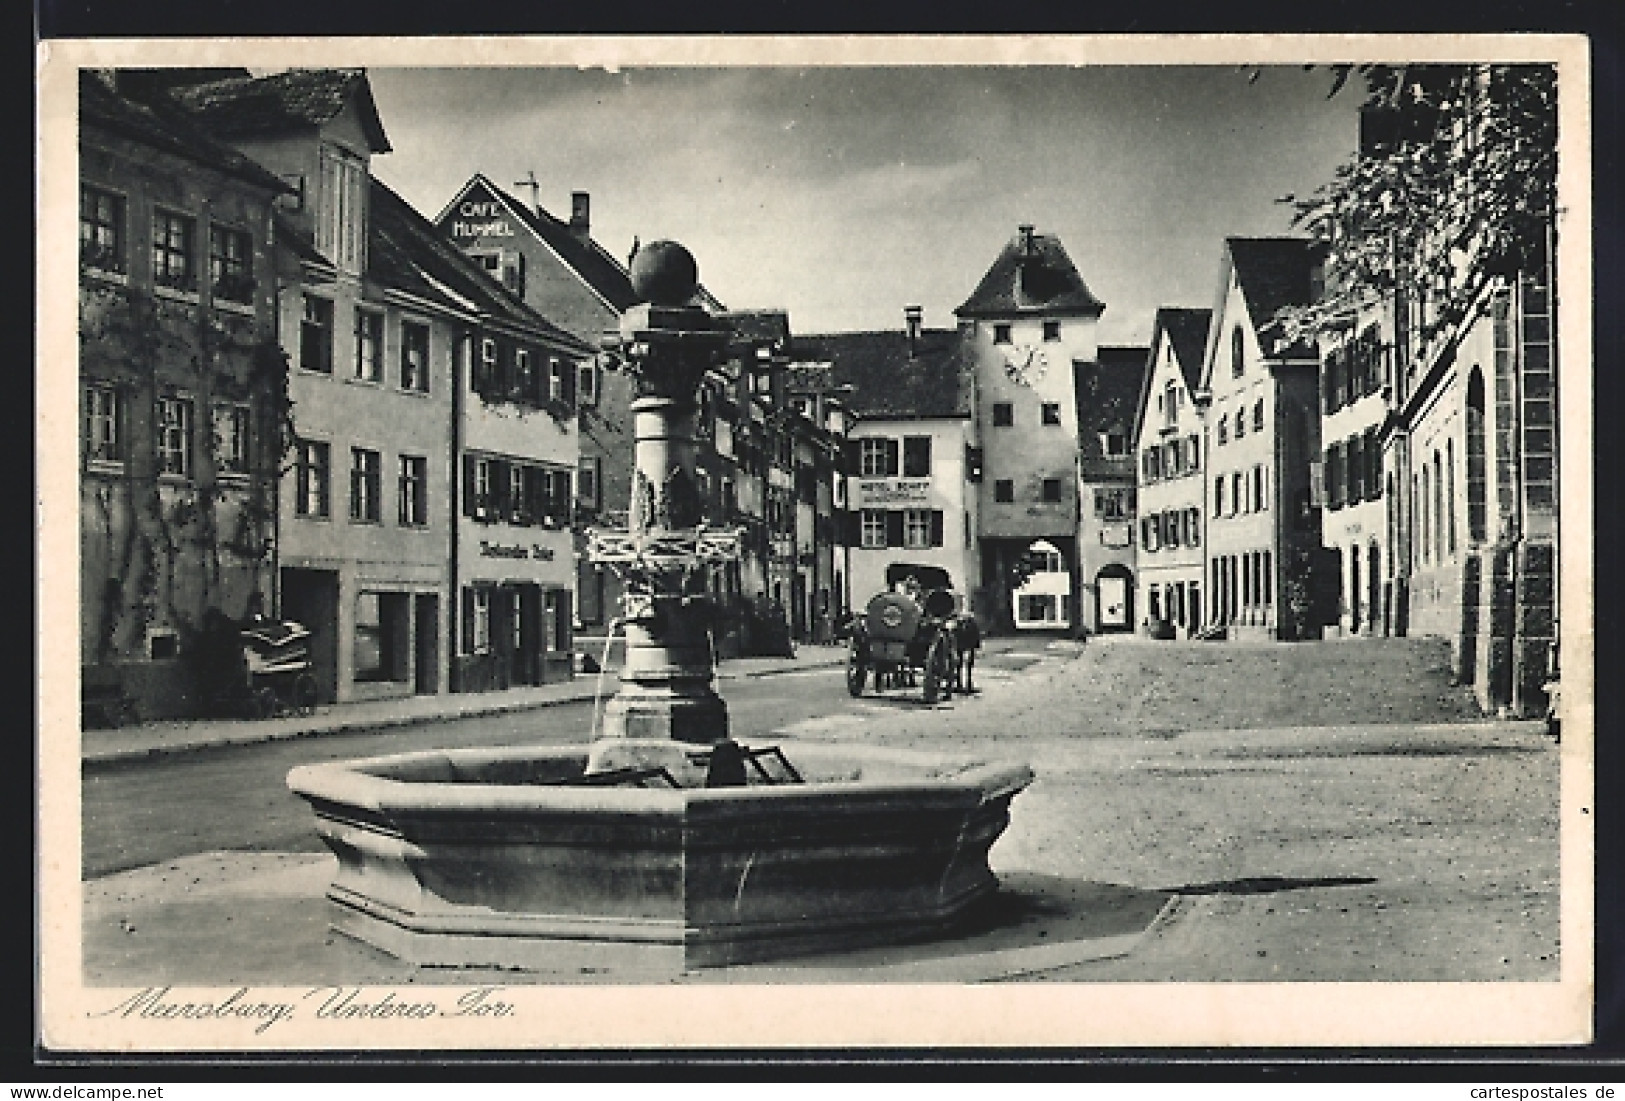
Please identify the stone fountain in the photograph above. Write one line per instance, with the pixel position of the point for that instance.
(664, 844)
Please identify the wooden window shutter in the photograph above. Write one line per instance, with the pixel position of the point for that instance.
(499, 488)
(467, 641)
(891, 458)
(936, 527)
(894, 528)
(469, 503)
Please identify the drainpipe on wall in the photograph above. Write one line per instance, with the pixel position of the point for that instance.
(461, 351)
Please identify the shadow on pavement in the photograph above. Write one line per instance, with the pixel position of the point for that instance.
(1268, 884)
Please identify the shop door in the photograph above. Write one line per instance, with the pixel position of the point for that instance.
(426, 645)
(527, 635)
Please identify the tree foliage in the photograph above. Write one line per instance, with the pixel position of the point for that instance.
(1455, 182)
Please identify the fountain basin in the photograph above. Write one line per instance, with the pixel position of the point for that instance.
(489, 858)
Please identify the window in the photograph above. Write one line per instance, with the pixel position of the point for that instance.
(872, 528)
(172, 243)
(479, 499)
(485, 372)
(175, 437)
(1218, 496)
(1450, 495)
(477, 620)
(365, 469)
(1355, 463)
(1151, 533)
(1373, 465)
(1114, 504)
(1113, 445)
(916, 456)
(231, 264)
(101, 229)
(1004, 414)
(1001, 333)
(313, 479)
(1236, 502)
(1258, 415)
(1259, 502)
(1241, 423)
(341, 227)
(1052, 330)
(1153, 464)
(414, 357)
(587, 481)
(555, 380)
(1193, 453)
(519, 511)
(369, 345)
(414, 491)
(1051, 413)
(916, 528)
(1238, 346)
(877, 457)
(1194, 524)
(1004, 490)
(1170, 460)
(1224, 430)
(231, 439)
(1334, 476)
(316, 335)
(1052, 489)
(104, 425)
(1168, 526)
(586, 383)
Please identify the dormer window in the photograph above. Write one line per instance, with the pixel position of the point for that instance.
(341, 223)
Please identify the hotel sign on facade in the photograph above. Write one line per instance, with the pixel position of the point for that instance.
(884, 492)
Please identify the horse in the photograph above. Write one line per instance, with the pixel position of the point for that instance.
(967, 635)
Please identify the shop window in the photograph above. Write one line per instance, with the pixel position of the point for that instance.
(314, 479)
(231, 264)
(365, 491)
(414, 491)
(174, 264)
(369, 345)
(175, 437)
(414, 357)
(101, 230)
(316, 335)
(231, 439)
(104, 425)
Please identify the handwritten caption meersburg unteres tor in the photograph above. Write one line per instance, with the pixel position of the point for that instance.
(324, 1003)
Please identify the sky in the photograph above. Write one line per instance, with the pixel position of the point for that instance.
(843, 194)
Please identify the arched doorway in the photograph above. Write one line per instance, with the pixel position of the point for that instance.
(1043, 601)
(1114, 598)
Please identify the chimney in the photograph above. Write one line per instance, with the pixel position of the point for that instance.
(913, 316)
(1026, 233)
(581, 214)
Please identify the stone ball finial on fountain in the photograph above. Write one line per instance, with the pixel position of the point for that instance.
(664, 273)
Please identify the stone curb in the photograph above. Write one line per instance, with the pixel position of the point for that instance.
(251, 735)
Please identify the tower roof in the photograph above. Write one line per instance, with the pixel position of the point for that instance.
(1033, 275)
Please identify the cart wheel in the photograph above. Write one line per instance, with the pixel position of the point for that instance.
(265, 703)
(304, 694)
(856, 673)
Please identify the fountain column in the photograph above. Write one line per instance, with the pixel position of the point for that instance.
(666, 692)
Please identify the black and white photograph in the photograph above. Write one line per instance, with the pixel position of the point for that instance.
(801, 543)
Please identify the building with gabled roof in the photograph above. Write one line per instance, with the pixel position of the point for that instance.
(912, 455)
(425, 537)
(1105, 390)
(1263, 529)
(180, 396)
(1170, 445)
(556, 268)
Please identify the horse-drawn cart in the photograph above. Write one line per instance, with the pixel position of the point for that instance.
(913, 632)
